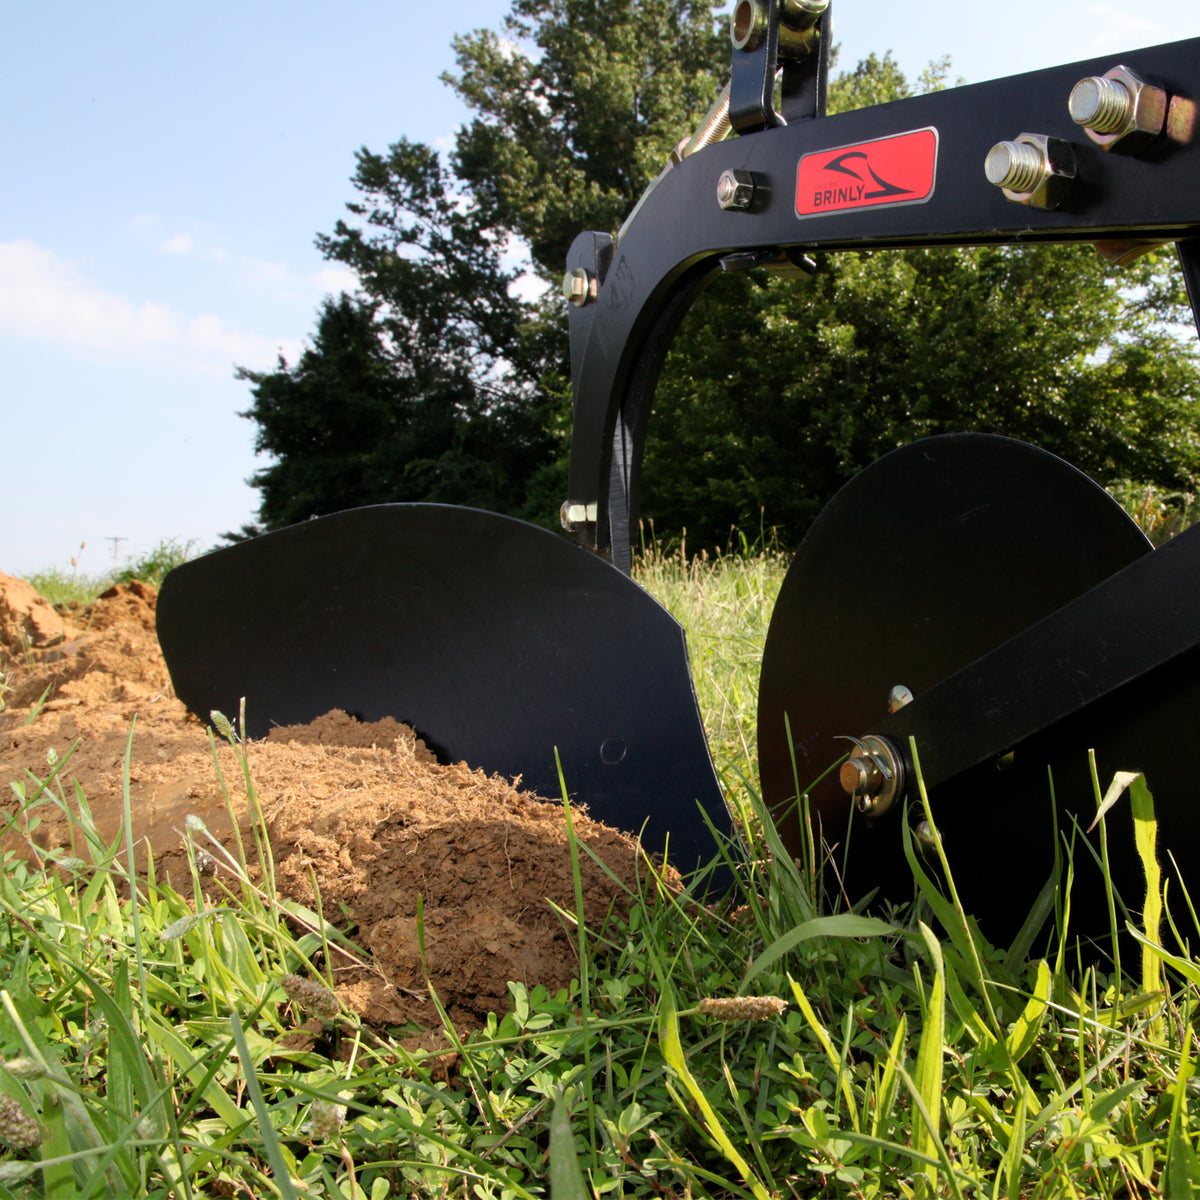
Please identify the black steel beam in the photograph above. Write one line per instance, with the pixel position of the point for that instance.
(679, 235)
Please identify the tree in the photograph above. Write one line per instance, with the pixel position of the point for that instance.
(408, 391)
(579, 103)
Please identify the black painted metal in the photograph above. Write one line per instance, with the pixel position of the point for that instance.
(680, 234)
(804, 82)
(1140, 619)
(752, 80)
(922, 564)
(499, 642)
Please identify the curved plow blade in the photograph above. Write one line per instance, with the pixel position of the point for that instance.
(498, 642)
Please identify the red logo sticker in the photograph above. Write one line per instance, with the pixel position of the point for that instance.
(893, 170)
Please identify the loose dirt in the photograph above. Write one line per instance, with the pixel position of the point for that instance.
(363, 810)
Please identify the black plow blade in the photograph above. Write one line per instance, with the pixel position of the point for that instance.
(498, 642)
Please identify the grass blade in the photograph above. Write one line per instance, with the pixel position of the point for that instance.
(848, 925)
(672, 1049)
(283, 1177)
(928, 1077)
(566, 1178)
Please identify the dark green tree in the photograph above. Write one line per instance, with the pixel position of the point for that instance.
(579, 103)
(1049, 344)
(409, 391)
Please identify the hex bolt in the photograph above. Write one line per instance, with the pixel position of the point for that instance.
(1017, 166)
(572, 515)
(735, 190)
(1100, 104)
(873, 776)
(579, 286)
(1119, 110)
(1032, 169)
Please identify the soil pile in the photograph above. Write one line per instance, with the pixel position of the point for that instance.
(364, 810)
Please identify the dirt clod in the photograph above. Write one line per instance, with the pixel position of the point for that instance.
(361, 818)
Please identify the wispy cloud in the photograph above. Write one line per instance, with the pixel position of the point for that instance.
(49, 299)
(272, 278)
(1119, 28)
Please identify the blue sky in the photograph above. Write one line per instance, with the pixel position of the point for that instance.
(166, 168)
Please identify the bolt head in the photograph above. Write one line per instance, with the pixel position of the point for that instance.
(573, 515)
(579, 286)
(735, 189)
(1032, 169)
(926, 838)
(1126, 126)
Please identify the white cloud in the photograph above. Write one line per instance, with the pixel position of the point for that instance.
(275, 279)
(45, 298)
(332, 280)
(143, 223)
(529, 287)
(1118, 29)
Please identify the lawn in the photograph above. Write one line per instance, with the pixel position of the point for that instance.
(758, 1047)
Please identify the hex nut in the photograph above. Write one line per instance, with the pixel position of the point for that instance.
(1032, 169)
(573, 515)
(579, 286)
(1119, 110)
(735, 189)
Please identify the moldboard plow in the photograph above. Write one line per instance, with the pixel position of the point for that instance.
(931, 603)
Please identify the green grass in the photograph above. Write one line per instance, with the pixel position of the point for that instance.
(758, 1049)
(1160, 513)
(62, 586)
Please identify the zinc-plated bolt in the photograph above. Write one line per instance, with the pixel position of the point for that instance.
(735, 189)
(926, 838)
(898, 697)
(1015, 165)
(803, 14)
(1100, 104)
(579, 286)
(713, 128)
(1119, 110)
(1032, 169)
(860, 777)
(572, 515)
(873, 776)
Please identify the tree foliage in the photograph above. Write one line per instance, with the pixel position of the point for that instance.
(438, 382)
(409, 391)
(579, 103)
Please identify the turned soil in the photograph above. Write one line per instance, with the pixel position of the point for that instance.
(364, 810)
